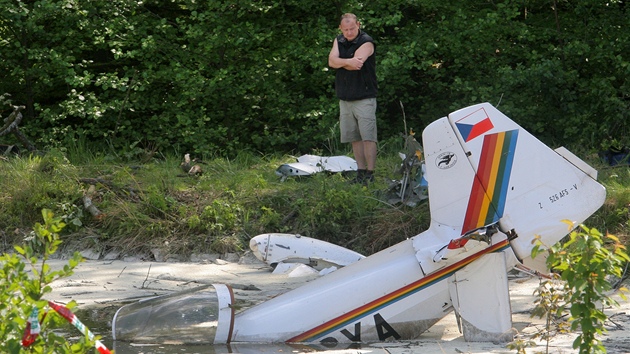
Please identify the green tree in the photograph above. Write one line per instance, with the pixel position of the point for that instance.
(217, 77)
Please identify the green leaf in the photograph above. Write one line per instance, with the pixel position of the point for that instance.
(19, 250)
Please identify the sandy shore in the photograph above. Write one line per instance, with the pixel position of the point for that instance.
(100, 287)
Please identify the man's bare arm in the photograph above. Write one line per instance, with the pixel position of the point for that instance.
(354, 63)
(364, 51)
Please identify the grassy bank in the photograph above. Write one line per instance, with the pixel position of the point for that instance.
(145, 204)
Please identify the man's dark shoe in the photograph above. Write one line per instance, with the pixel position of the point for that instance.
(359, 177)
(368, 177)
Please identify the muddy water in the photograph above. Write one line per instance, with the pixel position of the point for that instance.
(443, 337)
(98, 320)
(126, 348)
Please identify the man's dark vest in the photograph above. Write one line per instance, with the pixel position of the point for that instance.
(352, 85)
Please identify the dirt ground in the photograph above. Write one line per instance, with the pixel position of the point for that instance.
(101, 286)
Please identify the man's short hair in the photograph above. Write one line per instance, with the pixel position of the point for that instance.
(349, 15)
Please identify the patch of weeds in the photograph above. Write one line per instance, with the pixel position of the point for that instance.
(226, 244)
(34, 183)
(614, 216)
(585, 264)
(156, 200)
(221, 217)
(272, 220)
(26, 279)
(72, 215)
(551, 296)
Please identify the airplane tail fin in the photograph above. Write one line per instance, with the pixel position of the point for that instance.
(485, 169)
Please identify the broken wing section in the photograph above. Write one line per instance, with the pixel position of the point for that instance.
(275, 248)
(307, 165)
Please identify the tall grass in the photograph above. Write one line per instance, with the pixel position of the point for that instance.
(152, 204)
(147, 203)
(614, 215)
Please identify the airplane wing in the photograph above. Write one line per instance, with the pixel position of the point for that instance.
(274, 248)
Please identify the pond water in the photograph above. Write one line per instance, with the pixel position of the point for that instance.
(99, 322)
(245, 348)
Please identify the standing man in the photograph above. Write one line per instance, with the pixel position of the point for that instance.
(353, 55)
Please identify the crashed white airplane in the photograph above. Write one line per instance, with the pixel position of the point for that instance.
(493, 188)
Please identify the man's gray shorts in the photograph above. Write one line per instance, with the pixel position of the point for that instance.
(357, 120)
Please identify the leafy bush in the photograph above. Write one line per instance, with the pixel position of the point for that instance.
(586, 263)
(220, 78)
(22, 291)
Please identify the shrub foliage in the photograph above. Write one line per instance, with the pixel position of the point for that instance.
(218, 77)
(26, 277)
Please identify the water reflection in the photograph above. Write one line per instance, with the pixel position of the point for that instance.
(243, 348)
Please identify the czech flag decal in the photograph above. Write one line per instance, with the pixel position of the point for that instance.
(474, 124)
